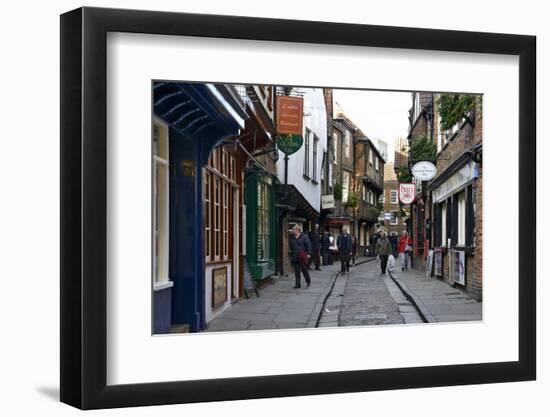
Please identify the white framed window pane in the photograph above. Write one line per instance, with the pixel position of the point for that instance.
(207, 214)
(393, 196)
(160, 203)
(444, 224)
(461, 218)
(335, 145)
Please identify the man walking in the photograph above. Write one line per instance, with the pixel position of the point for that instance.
(383, 248)
(300, 252)
(314, 239)
(344, 247)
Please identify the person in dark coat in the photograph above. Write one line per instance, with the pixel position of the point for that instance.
(353, 250)
(375, 238)
(314, 239)
(325, 247)
(344, 247)
(300, 252)
(383, 249)
(393, 241)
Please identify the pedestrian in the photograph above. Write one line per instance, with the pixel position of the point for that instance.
(353, 250)
(331, 247)
(300, 252)
(375, 237)
(394, 242)
(345, 248)
(325, 246)
(314, 239)
(383, 249)
(405, 247)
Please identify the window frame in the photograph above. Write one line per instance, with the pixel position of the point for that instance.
(306, 153)
(394, 193)
(314, 156)
(161, 226)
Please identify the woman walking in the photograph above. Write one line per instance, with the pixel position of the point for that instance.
(404, 249)
(300, 252)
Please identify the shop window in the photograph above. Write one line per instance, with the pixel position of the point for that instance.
(470, 216)
(217, 218)
(263, 220)
(160, 203)
(218, 200)
(207, 214)
(225, 205)
(461, 236)
(443, 224)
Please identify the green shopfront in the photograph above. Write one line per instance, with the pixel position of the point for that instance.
(261, 224)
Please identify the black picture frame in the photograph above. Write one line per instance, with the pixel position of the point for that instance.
(84, 207)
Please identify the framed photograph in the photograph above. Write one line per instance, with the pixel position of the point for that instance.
(205, 155)
(219, 286)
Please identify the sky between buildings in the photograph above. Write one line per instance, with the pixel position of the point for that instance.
(379, 114)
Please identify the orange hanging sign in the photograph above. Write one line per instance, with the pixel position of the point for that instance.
(290, 114)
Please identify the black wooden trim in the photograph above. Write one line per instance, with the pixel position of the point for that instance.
(70, 233)
(83, 201)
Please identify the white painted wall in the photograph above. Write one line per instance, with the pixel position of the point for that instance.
(315, 119)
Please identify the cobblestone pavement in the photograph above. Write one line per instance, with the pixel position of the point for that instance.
(279, 305)
(437, 300)
(367, 299)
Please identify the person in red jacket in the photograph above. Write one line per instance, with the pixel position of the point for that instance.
(404, 248)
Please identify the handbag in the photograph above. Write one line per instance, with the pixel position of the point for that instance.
(302, 257)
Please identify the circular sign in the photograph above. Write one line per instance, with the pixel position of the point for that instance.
(424, 170)
(288, 144)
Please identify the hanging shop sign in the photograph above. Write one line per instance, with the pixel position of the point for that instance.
(407, 191)
(289, 144)
(290, 115)
(327, 201)
(424, 170)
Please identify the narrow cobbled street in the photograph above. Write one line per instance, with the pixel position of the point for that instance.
(362, 297)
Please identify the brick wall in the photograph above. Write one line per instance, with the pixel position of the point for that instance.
(468, 135)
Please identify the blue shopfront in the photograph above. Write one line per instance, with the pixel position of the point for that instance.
(189, 120)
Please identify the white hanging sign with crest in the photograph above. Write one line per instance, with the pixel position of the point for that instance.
(407, 192)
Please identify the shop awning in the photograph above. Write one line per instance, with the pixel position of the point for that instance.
(193, 108)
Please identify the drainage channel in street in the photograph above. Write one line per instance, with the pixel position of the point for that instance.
(332, 304)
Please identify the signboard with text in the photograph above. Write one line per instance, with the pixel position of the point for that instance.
(327, 201)
(407, 191)
(290, 114)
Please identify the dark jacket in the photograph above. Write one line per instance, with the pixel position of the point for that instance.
(314, 240)
(296, 245)
(383, 246)
(344, 243)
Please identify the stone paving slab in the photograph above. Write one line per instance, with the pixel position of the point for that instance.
(279, 305)
(437, 300)
(367, 300)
